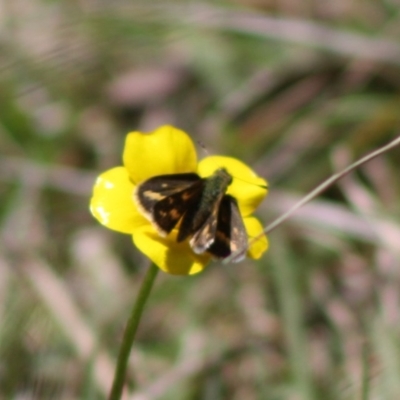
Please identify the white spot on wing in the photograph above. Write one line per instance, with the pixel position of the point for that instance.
(200, 248)
(108, 185)
(239, 258)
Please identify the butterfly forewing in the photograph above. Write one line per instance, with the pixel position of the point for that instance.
(231, 233)
(205, 235)
(164, 199)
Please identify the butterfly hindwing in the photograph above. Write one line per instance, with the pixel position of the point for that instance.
(205, 235)
(231, 233)
(165, 198)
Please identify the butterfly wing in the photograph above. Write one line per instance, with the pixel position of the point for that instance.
(230, 234)
(164, 199)
(205, 235)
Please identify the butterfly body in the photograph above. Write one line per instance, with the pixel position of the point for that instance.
(199, 208)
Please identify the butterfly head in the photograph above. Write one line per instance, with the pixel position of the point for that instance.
(224, 175)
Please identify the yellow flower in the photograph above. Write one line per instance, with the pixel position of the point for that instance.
(169, 150)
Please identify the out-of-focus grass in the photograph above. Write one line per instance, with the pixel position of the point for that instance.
(298, 90)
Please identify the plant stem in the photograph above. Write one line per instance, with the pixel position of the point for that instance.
(130, 332)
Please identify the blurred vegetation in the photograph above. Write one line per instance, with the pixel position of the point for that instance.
(298, 90)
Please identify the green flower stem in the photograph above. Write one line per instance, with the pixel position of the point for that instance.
(130, 332)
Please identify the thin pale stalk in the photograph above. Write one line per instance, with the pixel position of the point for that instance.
(130, 332)
(317, 191)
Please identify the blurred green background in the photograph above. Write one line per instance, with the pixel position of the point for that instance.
(298, 90)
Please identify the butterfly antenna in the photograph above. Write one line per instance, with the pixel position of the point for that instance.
(251, 183)
(203, 146)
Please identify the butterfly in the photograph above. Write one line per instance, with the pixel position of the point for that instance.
(199, 208)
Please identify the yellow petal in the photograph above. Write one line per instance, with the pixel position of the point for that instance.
(254, 228)
(169, 255)
(247, 187)
(112, 202)
(167, 150)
